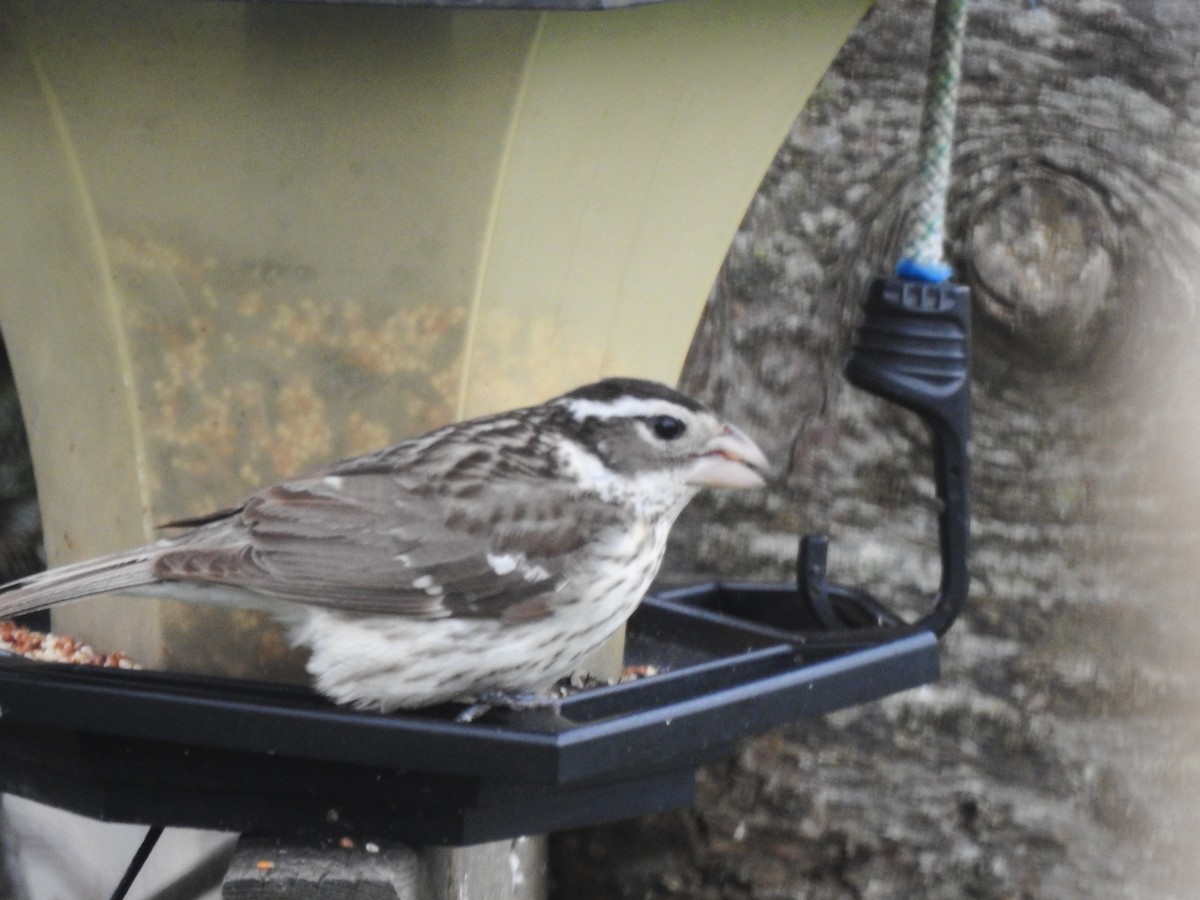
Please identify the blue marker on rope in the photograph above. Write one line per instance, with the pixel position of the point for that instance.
(932, 272)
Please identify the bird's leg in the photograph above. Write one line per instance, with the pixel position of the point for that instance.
(517, 702)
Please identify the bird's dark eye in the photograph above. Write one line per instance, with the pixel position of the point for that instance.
(667, 427)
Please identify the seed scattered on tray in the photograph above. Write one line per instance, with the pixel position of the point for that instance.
(634, 673)
(50, 647)
(585, 681)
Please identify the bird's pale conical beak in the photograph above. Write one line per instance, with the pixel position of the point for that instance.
(730, 460)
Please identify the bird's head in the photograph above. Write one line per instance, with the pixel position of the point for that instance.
(647, 431)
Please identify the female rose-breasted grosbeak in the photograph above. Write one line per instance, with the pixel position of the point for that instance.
(488, 557)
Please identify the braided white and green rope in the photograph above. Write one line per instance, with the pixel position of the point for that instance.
(924, 255)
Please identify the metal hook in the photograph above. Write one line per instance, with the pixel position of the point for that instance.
(912, 348)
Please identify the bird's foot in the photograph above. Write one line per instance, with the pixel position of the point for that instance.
(499, 700)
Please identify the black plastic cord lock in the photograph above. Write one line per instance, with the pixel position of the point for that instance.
(912, 348)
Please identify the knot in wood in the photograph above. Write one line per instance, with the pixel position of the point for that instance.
(1042, 251)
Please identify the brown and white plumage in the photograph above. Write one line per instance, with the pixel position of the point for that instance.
(490, 556)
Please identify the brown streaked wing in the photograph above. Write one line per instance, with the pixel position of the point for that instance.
(364, 542)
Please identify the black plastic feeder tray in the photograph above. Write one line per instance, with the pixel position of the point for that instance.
(731, 660)
(155, 748)
(209, 753)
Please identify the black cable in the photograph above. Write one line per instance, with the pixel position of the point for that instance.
(204, 875)
(139, 860)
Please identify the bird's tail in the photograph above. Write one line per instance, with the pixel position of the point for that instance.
(118, 572)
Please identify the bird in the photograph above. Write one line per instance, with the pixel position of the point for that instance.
(479, 563)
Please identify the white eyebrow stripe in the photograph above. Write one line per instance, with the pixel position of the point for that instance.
(626, 407)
